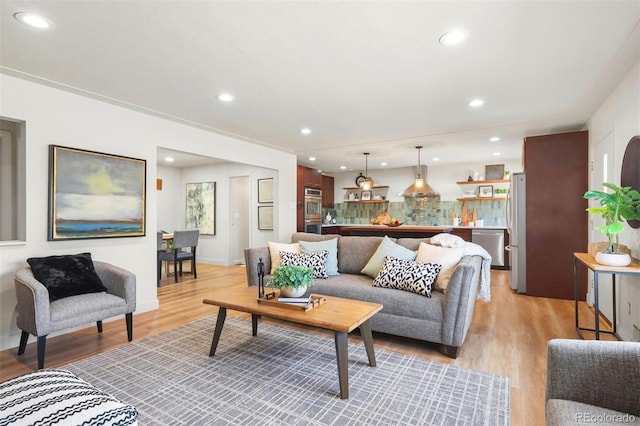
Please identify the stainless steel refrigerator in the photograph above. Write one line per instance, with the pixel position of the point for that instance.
(517, 228)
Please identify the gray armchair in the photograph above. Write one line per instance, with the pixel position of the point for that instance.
(592, 381)
(40, 317)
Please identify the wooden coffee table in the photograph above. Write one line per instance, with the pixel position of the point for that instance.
(341, 316)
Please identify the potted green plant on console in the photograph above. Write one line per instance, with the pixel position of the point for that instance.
(292, 280)
(615, 207)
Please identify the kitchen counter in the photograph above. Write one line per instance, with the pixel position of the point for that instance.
(402, 231)
(410, 226)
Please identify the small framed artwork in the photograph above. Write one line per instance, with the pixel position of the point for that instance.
(485, 191)
(265, 218)
(265, 190)
(494, 172)
(365, 195)
(200, 211)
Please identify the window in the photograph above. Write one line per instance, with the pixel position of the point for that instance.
(12, 178)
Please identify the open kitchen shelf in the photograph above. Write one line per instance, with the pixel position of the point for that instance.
(357, 188)
(366, 201)
(480, 198)
(482, 182)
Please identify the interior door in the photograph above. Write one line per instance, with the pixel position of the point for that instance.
(601, 171)
(239, 235)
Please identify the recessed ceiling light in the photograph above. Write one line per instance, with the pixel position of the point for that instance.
(476, 103)
(494, 139)
(305, 131)
(225, 97)
(383, 164)
(169, 159)
(312, 158)
(436, 158)
(34, 20)
(497, 153)
(453, 37)
(343, 167)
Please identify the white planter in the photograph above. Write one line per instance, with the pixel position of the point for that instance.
(292, 292)
(613, 259)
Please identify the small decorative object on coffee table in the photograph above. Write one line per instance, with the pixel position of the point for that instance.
(291, 280)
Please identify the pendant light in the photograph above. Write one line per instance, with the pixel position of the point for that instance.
(419, 188)
(367, 183)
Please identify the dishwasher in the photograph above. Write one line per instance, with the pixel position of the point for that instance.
(492, 240)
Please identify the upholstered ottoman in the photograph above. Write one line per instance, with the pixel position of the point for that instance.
(60, 397)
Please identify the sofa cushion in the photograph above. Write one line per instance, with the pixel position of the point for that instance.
(308, 236)
(412, 243)
(316, 261)
(355, 252)
(394, 302)
(66, 275)
(447, 257)
(387, 248)
(276, 248)
(407, 275)
(330, 245)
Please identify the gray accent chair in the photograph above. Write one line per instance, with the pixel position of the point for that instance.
(185, 240)
(592, 381)
(40, 317)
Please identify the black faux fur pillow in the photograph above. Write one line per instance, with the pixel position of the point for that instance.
(66, 275)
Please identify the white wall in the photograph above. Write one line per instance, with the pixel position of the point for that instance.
(441, 178)
(620, 116)
(215, 248)
(57, 117)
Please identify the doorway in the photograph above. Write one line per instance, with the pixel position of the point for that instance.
(240, 197)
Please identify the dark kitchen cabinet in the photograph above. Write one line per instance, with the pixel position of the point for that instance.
(300, 199)
(328, 192)
(312, 178)
(556, 167)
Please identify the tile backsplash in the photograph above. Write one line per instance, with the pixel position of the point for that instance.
(424, 211)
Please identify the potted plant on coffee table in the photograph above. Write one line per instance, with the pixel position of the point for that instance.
(292, 280)
(615, 207)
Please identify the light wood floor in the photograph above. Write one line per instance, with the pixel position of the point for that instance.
(508, 336)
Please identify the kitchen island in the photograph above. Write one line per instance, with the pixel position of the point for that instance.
(402, 231)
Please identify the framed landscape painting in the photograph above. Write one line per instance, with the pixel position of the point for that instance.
(201, 207)
(95, 195)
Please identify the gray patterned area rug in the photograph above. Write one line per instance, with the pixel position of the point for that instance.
(286, 377)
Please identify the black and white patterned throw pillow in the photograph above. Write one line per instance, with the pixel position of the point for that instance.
(316, 260)
(407, 275)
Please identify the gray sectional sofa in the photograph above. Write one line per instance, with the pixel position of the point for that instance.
(444, 318)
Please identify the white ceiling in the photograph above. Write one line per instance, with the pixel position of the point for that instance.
(364, 76)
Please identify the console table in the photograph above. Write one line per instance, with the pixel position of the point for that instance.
(589, 261)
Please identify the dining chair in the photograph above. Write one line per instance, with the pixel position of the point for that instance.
(184, 248)
(163, 255)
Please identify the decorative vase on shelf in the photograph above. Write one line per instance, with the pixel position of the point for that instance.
(613, 259)
(293, 292)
